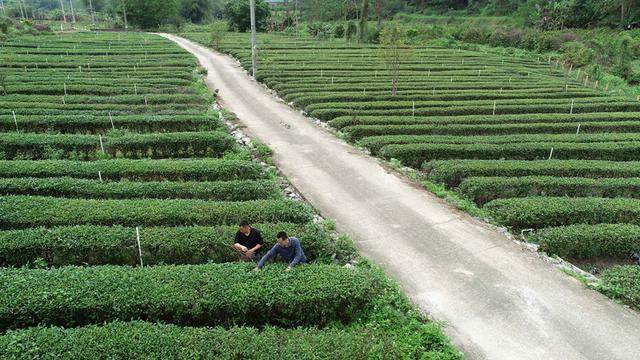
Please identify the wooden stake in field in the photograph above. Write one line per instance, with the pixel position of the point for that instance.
(63, 102)
(413, 108)
(494, 107)
(65, 88)
(606, 88)
(100, 175)
(550, 154)
(101, 143)
(578, 131)
(135, 89)
(15, 120)
(571, 111)
(145, 100)
(139, 247)
(111, 119)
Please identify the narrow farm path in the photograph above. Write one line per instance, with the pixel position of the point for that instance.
(498, 301)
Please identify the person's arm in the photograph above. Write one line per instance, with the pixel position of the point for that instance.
(237, 244)
(260, 241)
(299, 255)
(268, 256)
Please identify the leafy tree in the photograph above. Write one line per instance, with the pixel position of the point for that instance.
(393, 51)
(351, 30)
(218, 32)
(363, 20)
(147, 13)
(239, 16)
(624, 56)
(195, 10)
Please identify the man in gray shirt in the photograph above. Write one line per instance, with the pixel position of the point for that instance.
(288, 248)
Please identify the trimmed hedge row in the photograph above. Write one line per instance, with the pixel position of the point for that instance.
(102, 245)
(416, 154)
(198, 295)
(453, 172)
(344, 121)
(303, 99)
(102, 124)
(329, 114)
(590, 241)
(234, 190)
(138, 340)
(484, 189)
(45, 146)
(136, 170)
(540, 212)
(622, 283)
(375, 143)
(390, 105)
(19, 212)
(362, 131)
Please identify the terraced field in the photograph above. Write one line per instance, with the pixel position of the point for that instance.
(106, 136)
(536, 147)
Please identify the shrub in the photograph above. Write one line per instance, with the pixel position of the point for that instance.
(199, 295)
(590, 241)
(540, 212)
(136, 170)
(484, 189)
(121, 340)
(622, 283)
(416, 154)
(19, 212)
(577, 53)
(101, 245)
(452, 172)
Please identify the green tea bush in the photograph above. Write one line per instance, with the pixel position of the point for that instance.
(235, 190)
(540, 212)
(117, 245)
(622, 283)
(122, 340)
(452, 172)
(416, 154)
(19, 212)
(198, 295)
(590, 241)
(484, 189)
(136, 170)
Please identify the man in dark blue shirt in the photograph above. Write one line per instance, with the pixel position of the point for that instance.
(288, 248)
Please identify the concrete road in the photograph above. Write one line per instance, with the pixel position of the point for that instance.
(498, 301)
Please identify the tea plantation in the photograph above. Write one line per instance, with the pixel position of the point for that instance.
(537, 145)
(106, 134)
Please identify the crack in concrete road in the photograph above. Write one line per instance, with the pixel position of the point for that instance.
(500, 304)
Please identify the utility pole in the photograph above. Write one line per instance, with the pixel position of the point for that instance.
(124, 11)
(254, 47)
(93, 15)
(73, 13)
(64, 17)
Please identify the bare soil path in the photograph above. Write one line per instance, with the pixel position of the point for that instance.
(498, 300)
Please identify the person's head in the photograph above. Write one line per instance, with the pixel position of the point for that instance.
(282, 238)
(244, 227)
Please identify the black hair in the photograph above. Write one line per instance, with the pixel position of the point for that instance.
(282, 235)
(244, 223)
